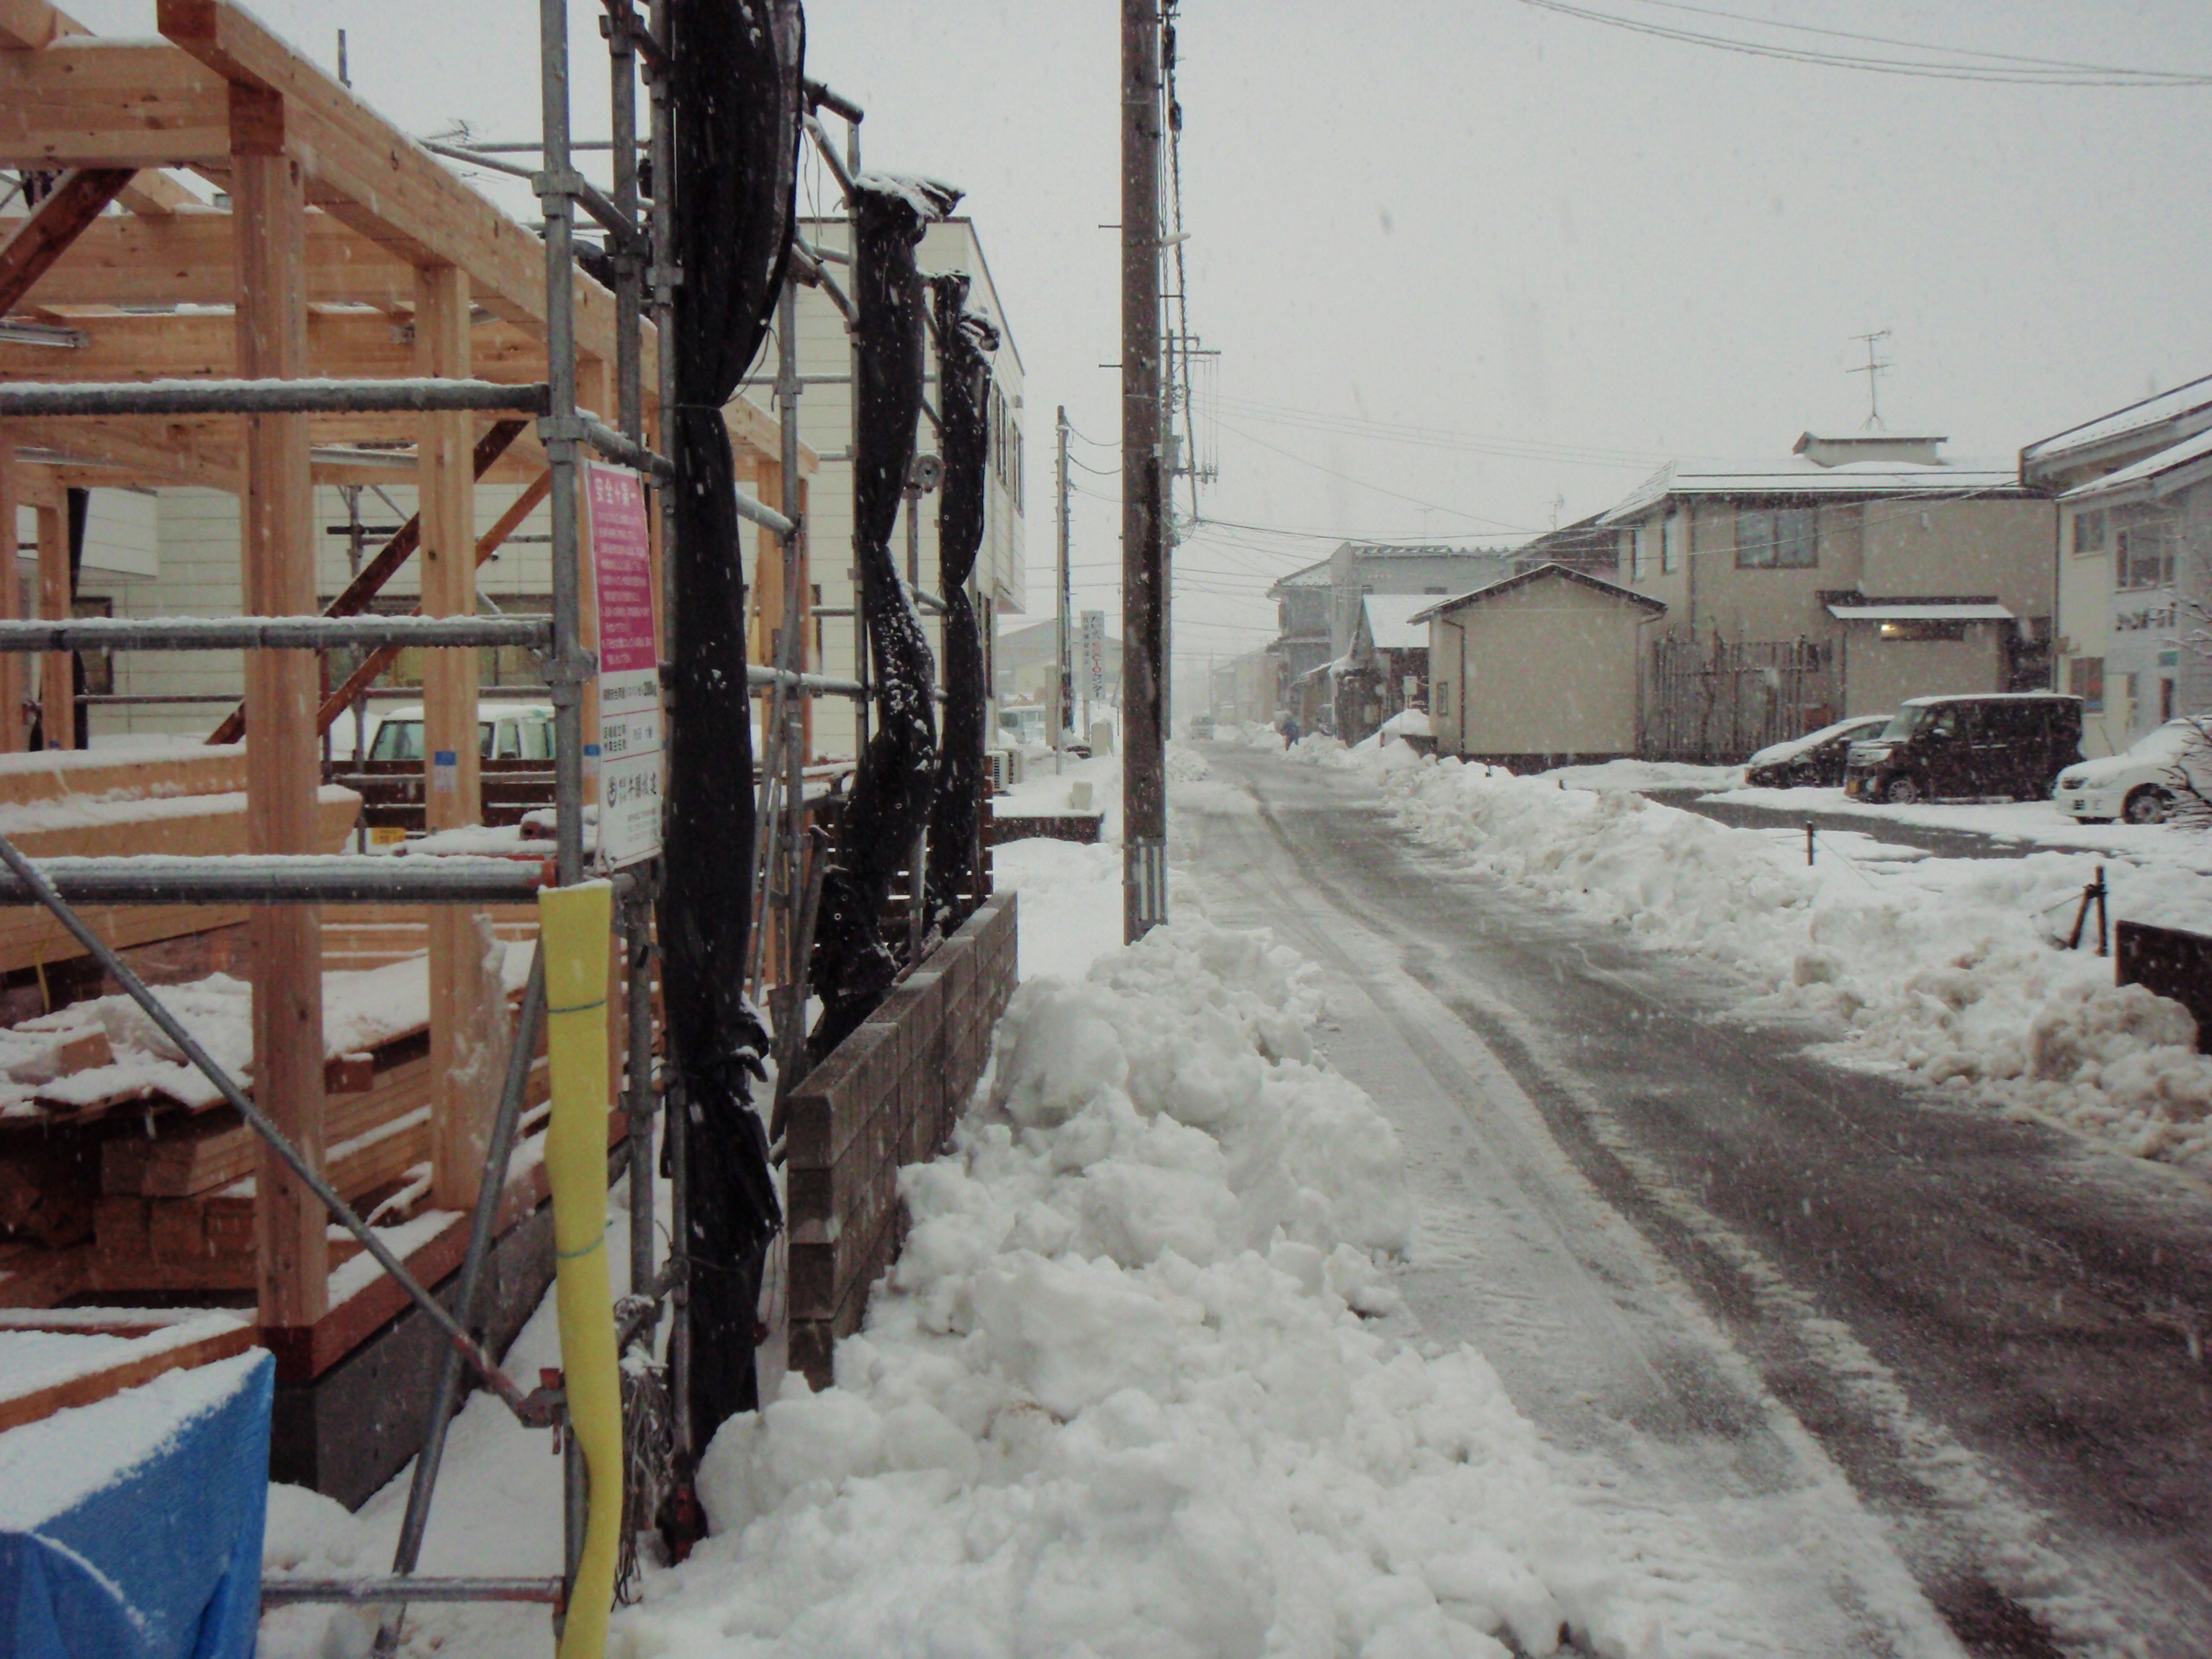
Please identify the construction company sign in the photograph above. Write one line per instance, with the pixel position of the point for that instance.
(629, 668)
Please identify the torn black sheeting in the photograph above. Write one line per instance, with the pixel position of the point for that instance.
(737, 74)
(891, 793)
(964, 340)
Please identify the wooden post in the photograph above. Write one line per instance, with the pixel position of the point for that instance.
(269, 223)
(12, 676)
(464, 1069)
(57, 674)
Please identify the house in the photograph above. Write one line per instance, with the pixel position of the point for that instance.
(1319, 607)
(1243, 689)
(1538, 670)
(1857, 571)
(1386, 669)
(2133, 559)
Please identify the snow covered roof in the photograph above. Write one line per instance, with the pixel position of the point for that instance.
(1921, 611)
(2147, 469)
(1390, 622)
(1794, 475)
(2194, 399)
(1565, 573)
(1314, 575)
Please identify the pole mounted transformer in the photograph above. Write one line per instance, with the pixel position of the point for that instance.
(1143, 543)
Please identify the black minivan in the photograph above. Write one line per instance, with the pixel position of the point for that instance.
(2012, 745)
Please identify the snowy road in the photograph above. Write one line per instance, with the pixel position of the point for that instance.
(1807, 1324)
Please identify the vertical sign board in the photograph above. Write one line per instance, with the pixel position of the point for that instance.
(630, 668)
(1094, 652)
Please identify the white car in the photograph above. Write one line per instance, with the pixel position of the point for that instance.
(2140, 786)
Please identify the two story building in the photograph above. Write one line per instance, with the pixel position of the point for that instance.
(2133, 561)
(1855, 572)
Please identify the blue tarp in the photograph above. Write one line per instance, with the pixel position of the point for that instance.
(131, 1529)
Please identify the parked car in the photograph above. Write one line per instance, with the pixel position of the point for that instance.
(2012, 745)
(1202, 728)
(2140, 784)
(505, 731)
(1814, 761)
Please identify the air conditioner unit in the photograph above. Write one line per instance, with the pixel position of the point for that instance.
(1005, 766)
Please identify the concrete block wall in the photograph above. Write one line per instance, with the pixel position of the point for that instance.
(888, 1096)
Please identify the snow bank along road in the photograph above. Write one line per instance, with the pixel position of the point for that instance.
(1732, 1269)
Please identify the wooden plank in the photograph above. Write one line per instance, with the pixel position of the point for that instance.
(756, 436)
(52, 775)
(277, 522)
(135, 451)
(84, 102)
(14, 677)
(386, 185)
(160, 1357)
(57, 686)
(36, 241)
(342, 344)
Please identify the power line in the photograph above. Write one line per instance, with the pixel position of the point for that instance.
(1959, 67)
(1398, 494)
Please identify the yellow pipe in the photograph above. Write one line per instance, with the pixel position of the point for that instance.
(574, 924)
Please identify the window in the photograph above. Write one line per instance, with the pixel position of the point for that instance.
(1776, 539)
(2085, 679)
(1639, 565)
(2143, 557)
(2089, 532)
(1674, 541)
(1444, 698)
(1922, 628)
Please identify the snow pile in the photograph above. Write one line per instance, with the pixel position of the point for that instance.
(1186, 765)
(1407, 723)
(1945, 966)
(1255, 736)
(1117, 1398)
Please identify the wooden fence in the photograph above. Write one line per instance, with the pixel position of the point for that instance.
(887, 1096)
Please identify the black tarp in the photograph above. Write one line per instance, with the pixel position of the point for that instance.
(963, 382)
(889, 802)
(737, 89)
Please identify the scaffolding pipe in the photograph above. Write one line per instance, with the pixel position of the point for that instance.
(421, 396)
(446, 1399)
(270, 633)
(278, 878)
(560, 430)
(615, 447)
(815, 685)
(289, 1592)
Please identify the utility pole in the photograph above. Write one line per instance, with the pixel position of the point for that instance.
(1064, 705)
(1144, 552)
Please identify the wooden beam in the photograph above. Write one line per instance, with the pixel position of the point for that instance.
(28, 25)
(194, 345)
(81, 196)
(12, 663)
(86, 102)
(146, 451)
(57, 669)
(152, 194)
(382, 182)
(756, 436)
(278, 525)
(183, 259)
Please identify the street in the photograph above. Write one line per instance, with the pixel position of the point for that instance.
(1827, 1320)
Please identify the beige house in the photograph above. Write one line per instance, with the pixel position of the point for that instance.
(1855, 572)
(1538, 670)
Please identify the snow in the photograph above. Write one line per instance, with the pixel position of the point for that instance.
(1947, 967)
(34, 1360)
(1390, 622)
(1775, 753)
(2036, 821)
(1628, 774)
(1407, 723)
(2182, 400)
(1118, 1396)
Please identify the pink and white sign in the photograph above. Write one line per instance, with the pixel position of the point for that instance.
(630, 667)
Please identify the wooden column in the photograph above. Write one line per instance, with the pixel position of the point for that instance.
(276, 522)
(56, 677)
(465, 1012)
(13, 679)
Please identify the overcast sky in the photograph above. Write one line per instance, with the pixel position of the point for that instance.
(1573, 250)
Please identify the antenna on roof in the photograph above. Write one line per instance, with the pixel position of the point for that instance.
(1872, 369)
